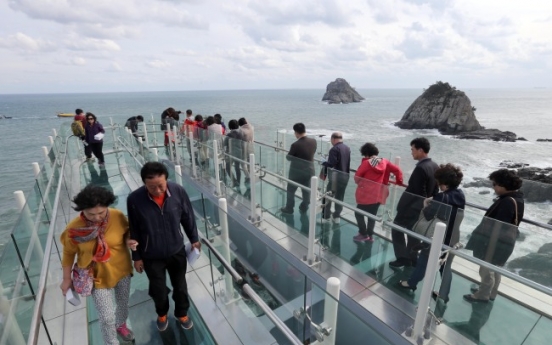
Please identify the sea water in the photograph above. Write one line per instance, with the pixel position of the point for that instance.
(527, 112)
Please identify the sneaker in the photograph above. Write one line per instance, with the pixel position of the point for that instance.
(400, 263)
(162, 323)
(185, 322)
(325, 220)
(363, 238)
(125, 333)
(102, 165)
(335, 220)
(91, 159)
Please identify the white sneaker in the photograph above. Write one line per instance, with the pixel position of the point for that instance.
(325, 220)
(335, 220)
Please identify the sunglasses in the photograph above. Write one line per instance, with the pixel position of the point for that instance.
(90, 118)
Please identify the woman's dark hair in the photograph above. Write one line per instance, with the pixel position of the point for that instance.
(153, 169)
(449, 175)
(369, 150)
(242, 121)
(507, 179)
(92, 196)
(91, 115)
(233, 124)
(140, 118)
(198, 117)
(218, 118)
(210, 120)
(421, 143)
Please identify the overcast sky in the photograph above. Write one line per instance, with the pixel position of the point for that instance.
(156, 45)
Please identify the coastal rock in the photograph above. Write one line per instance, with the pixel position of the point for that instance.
(488, 134)
(442, 107)
(339, 91)
(479, 182)
(545, 140)
(531, 265)
(512, 165)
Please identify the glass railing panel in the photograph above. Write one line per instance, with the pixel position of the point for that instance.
(348, 329)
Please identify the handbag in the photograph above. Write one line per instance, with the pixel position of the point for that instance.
(424, 226)
(83, 280)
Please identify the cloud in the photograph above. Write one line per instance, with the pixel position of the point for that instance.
(158, 64)
(78, 61)
(26, 44)
(114, 67)
(291, 12)
(92, 44)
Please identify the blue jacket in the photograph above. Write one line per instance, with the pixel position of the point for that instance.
(91, 131)
(157, 229)
(339, 158)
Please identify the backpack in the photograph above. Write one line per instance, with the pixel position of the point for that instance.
(77, 128)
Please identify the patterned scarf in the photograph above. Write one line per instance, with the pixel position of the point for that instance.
(93, 231)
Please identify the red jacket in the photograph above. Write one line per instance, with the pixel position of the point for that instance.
(372, 178)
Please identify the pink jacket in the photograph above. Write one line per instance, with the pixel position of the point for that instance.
(372, 178)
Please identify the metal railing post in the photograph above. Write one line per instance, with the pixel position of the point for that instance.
(331, 305)
(175, 138)
(192, 153)
(145, 131)
(217, 168)
(394, 190)
(140, 146)
(312, 220)
(178, 174)
(153, 130)
(253, 218)
(45, 152)
(112, 124)
(155, 154)
(167, 132)
(417, 333)
(225, 238)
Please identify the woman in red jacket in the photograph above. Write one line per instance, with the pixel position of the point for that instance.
(372, 178)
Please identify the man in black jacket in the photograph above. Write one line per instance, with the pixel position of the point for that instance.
(337, 168)
(132, 124)
(421, 185)
(155, 213)
(301, 168)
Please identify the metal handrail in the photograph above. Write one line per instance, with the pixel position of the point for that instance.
(39, 297)
(254, 296)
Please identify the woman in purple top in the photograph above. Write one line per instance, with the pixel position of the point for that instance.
(93, 128)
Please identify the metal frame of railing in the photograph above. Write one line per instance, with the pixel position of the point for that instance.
(39, 297)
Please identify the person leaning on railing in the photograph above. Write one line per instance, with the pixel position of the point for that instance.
(492, 241)
(97, 238)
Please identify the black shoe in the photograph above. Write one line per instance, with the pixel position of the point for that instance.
(471, 299)
(303, 210)
(435, 295)
(406, 287)
(286, 210)
(474, 289)
(400, 263)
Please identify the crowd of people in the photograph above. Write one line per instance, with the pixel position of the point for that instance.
(101, 243)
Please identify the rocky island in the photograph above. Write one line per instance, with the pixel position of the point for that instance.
(339, 91)
(450, 111)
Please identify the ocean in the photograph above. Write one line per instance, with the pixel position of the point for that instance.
(527, 112)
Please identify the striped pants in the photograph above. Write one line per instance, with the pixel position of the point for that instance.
(111, 317)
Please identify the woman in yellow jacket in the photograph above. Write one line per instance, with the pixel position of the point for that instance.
(97, 238)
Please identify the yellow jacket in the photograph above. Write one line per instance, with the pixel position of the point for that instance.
(106, 274)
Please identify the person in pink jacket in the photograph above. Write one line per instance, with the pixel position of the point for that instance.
(372, 179)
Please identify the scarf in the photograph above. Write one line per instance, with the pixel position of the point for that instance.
(93, 231)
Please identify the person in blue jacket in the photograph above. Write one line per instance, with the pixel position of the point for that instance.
(155, 213)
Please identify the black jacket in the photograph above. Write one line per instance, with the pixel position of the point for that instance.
(339, 158)
(445, 206)
(301, 155)
(157, 229)
(421, 185)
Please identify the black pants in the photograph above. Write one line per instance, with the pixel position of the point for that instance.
(97, 150)
(158, 290)
(363, 228)
(236, 179)
(338, 188)
(291, 189)
(88, 151)
(404, 248)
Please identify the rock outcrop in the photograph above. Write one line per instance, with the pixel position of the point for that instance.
(339, 91)
(449, 110)
(531, 265)
(441, 107)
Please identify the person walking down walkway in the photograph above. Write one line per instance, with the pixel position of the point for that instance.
(156, 212)
(421, 185)
(336, 170)
(94, 133)
(98, 239)
(372, 179)
(301, 168)
(493, 241)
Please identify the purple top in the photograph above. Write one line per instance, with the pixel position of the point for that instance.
(91, 131)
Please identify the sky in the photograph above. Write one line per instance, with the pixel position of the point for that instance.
(74, 46)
